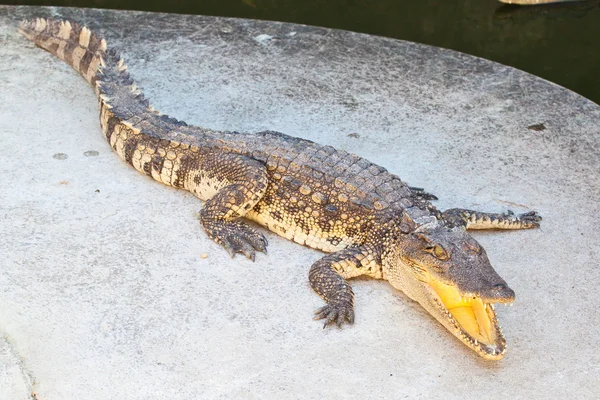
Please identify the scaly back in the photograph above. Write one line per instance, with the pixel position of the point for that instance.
(126, 117)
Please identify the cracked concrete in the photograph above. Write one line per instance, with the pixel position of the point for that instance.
(103, 289)
(16, 381)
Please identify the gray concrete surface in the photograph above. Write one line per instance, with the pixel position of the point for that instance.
(104, 295)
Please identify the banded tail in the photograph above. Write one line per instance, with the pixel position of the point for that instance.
(74, 44)
(138, 133)
(105, 70)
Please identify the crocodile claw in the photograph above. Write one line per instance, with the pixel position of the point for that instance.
(336, 313)
(420, 192)
(238, 237)
(246, 243)
(531, 218)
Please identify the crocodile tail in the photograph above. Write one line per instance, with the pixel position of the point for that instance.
(126, 116)
(74, 44)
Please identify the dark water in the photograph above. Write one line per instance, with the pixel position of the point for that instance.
(559, 42)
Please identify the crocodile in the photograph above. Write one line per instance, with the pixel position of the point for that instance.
(367, 219)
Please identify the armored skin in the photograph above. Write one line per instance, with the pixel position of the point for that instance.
(368, 220)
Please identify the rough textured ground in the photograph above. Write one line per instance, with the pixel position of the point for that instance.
(104, 294)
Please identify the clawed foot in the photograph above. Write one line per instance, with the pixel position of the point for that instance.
(420, 192)
(336, 313)
(238, 237)
(530, 219)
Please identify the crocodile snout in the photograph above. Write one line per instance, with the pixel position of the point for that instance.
(501, 293)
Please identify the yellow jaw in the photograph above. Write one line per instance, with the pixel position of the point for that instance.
(471, 313)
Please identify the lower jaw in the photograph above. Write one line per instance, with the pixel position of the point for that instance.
(494, 353)
(490, 350)
(493, 349)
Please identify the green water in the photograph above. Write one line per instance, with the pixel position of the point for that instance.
(559, 42)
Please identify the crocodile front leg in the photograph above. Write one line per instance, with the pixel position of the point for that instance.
(240, 183)
(479, 220)
(328, 277)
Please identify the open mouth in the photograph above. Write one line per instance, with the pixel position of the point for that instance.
(474, 320)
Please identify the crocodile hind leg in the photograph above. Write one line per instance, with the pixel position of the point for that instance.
(328, 277)
(479, 220)
(420, 192)
(240, 182)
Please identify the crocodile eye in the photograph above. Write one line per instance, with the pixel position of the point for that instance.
(437, 251)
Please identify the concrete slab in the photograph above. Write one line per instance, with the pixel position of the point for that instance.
(15, 380)
(104, 294)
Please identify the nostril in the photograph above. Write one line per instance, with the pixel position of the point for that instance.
(502, 290)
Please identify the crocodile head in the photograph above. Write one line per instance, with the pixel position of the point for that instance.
(450, 275)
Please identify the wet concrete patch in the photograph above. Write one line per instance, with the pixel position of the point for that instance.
(60, 156)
